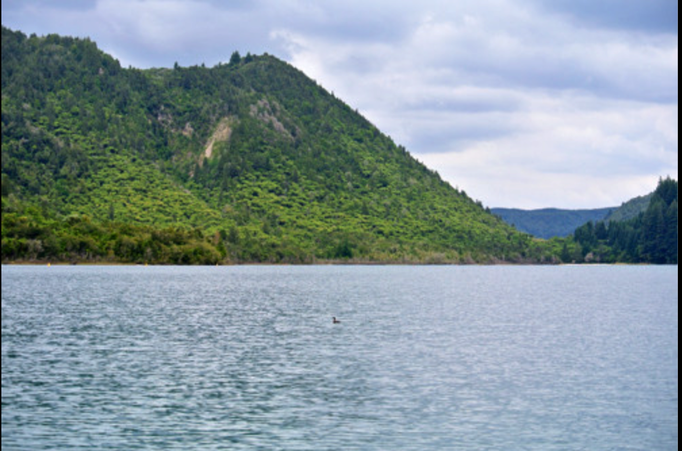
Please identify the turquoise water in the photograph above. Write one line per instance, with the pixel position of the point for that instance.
(425, 358)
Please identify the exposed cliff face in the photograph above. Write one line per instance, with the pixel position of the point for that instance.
(222, 133)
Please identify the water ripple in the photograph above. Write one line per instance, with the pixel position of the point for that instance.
(425, 358)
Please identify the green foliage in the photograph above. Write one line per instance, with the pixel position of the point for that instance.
(649, 237)
(630, 209)
(28, 235)
(249, 161)
(235, 58)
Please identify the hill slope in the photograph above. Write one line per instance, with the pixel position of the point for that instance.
(630, 209)
(245, 161)
(648, 237)
(550, 222)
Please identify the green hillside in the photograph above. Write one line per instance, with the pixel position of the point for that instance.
(648, 237)
(630, 209)
(550, 222)
(247, 161)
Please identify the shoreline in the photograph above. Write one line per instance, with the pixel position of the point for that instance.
(323, 263)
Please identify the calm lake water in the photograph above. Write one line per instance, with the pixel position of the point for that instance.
(425, 358)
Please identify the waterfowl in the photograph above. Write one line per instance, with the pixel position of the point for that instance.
(334, 320)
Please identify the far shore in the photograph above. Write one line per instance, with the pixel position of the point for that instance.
(317, 263)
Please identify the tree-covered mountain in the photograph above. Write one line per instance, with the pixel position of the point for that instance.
(247, 161)
(649, 237)
(630, 209)
(550, 222)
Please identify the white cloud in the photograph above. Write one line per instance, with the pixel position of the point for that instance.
(568, 155)
(497, 98)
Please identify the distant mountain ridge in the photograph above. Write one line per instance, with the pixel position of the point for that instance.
(555, 222)
(550, 222)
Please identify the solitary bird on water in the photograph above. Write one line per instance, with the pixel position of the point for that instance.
(334, 320)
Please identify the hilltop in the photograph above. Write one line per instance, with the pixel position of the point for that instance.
(246, 161)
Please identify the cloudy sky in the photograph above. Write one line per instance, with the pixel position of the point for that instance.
(521, 103)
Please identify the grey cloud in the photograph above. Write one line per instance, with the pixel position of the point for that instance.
(457, 105)
(457, 137)
(77, 5)
(640, 15)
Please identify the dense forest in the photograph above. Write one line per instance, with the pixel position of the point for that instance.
(246, 161)
(649, 237)
(630, 209)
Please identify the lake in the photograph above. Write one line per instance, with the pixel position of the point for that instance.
(425, 358)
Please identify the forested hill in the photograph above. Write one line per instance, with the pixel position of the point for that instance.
(630, 209)
(647, 237)
(247, 161)
(550, 222)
